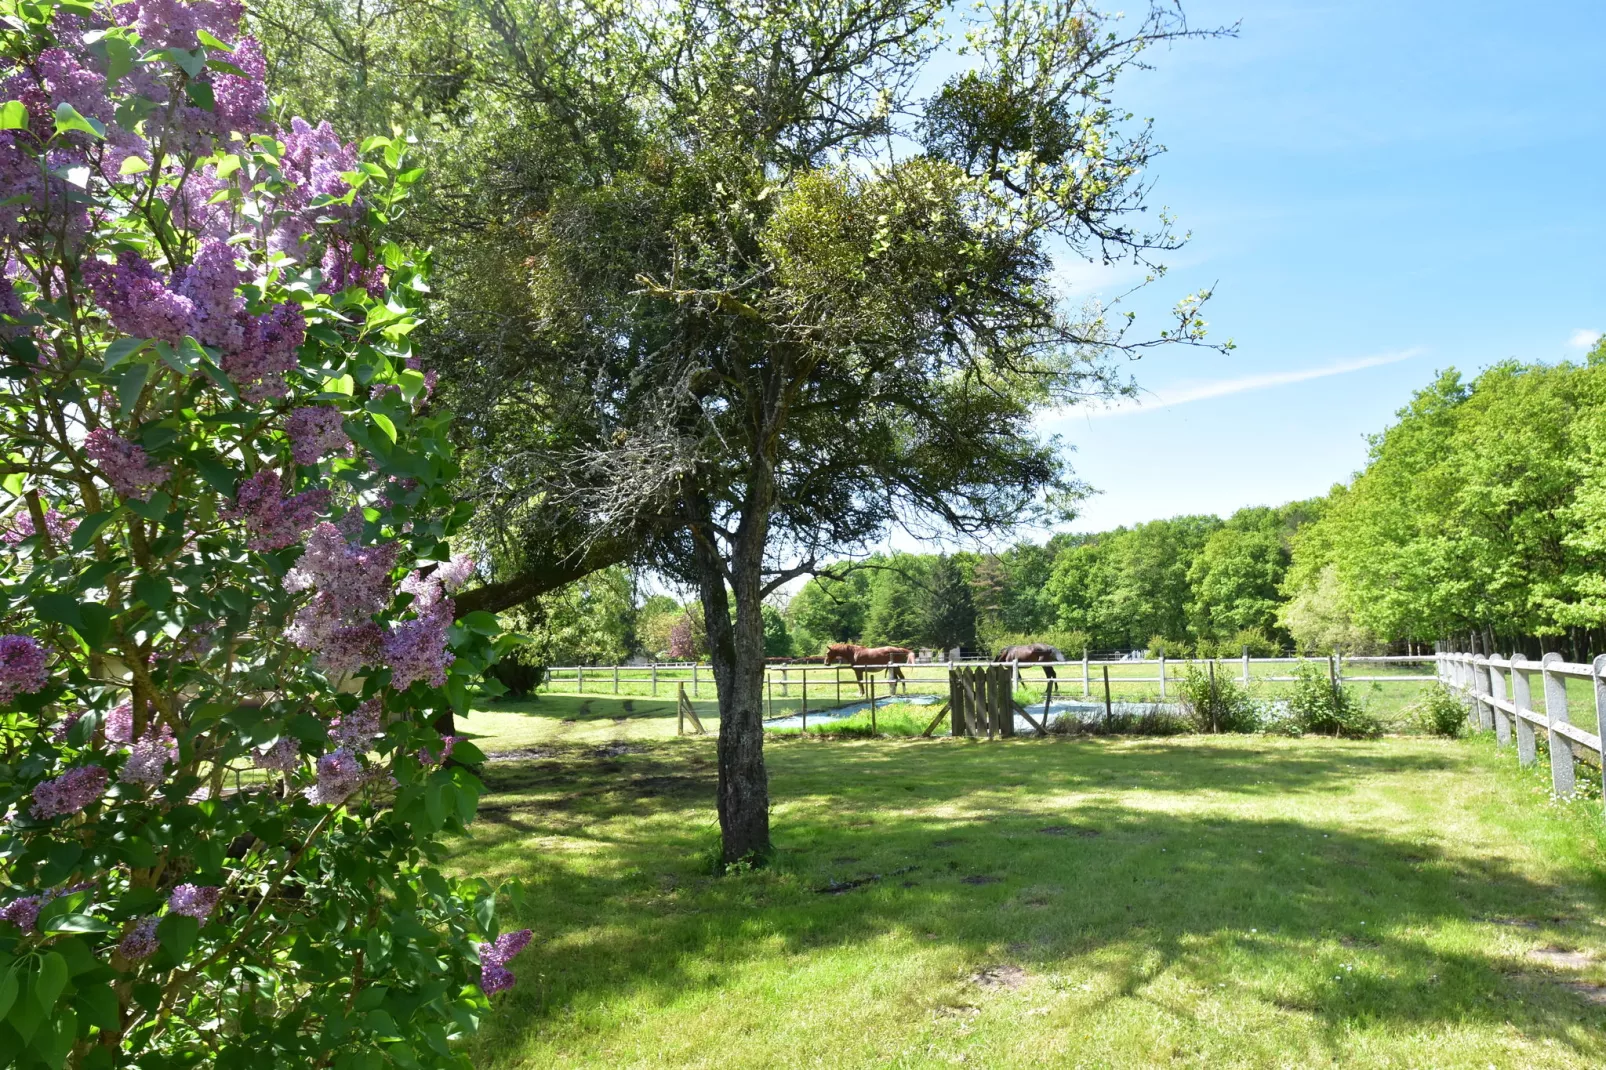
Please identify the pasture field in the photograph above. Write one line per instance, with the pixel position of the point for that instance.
(1230, 901)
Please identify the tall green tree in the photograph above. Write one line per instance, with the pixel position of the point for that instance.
(950, 614)
(727, 284)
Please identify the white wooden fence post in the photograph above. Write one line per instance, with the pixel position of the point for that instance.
(1498, 691)
(655, 679)
(1162, 676)
(1599, 680)
(1522, 698)
(616, 679)
(1087, 687)
(1480, 691)
(1246, 664)
(694, 679)
(1562, 776)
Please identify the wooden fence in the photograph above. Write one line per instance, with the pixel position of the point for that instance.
(1499, 696)
(834, 684)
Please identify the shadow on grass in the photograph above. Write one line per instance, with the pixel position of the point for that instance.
(953, 844)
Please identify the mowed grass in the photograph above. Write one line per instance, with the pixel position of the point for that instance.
(1211, 902)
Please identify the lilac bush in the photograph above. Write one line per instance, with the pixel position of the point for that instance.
(226, 574)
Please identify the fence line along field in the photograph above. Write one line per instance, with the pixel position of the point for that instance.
(790, 689)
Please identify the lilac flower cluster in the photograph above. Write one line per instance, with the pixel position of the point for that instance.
(24, 912)
(339, 774)
(283, 757)
(456, 572)
(274, 520)
(57, 526)
(119, 726)
(314, 158)
(201, 300)
(428, 756)
(494, 957)
(194, 901)
(356, 730)
(148, 760)
(140, 942)
(69, 793)
(315, 432)
(22, 666)
(416, 649)
(351, 584)
(342, 270)
(124, 464)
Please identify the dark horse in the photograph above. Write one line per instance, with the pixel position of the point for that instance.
(870, 659)
(1033, 654)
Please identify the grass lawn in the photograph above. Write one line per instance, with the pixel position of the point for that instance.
(1194, 901)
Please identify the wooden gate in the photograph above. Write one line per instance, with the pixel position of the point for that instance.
(980, 701)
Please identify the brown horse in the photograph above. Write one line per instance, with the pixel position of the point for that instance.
(870, 659)
(1032, 654)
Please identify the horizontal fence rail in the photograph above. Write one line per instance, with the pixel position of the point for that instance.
(1499, 693)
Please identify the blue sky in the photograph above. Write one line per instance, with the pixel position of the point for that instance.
(1378, 190)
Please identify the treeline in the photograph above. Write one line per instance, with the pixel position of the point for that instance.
(1480, 517)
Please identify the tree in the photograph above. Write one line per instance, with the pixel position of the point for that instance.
(227, 516)
(725, 281)
(1234, 582)
(896, 615)
(950, 615)
(777, 641)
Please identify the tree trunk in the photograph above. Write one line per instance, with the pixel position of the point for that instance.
(737, 652)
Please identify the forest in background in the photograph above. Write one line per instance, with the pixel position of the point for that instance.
(1479, 519)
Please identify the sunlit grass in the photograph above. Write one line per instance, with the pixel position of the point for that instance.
(1228, 901)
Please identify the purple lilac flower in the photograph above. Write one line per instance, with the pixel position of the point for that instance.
(494, 957)
(140, 942)
(176, 23)
(456, 572)
(416, 649)
(119, 726)
(210, 282)
(352, 583)
(70, 82)
(342, 271)
(69, 793)
(193, 901)
(22, 666)
(339, 774)
(428, 757)
(275, 521)
(24, 912)
(238, 103)
(315, 432)
(148, 760)
(267, 352)
(124, 464)
(354, 731)
(283, 757)
(137, 299)
(59, 527)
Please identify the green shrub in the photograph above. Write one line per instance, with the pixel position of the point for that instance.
(1160, 646)
(1218, 703)
(1322, 709)
(1438, 711)
(1154, 721)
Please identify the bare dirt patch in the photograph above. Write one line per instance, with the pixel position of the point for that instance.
(1001, 976)
(1561, 958)
(1591, 992)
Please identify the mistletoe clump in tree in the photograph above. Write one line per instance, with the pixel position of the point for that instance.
(226, 580)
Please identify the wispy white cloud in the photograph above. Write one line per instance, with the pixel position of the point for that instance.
(1583, 338)
(1220, 388)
